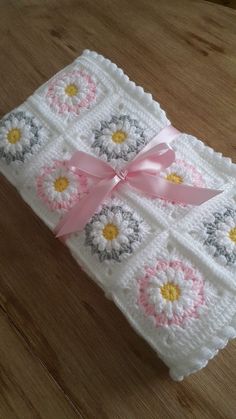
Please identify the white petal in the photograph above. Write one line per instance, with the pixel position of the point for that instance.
(102, 245)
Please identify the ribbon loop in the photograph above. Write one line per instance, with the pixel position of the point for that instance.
(141, 173)
(90, 165)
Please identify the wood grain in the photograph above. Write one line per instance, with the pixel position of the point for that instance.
(66, 351)
(228, 3)
(26, 385)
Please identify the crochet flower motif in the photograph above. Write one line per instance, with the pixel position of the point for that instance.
(114, 233)
(219, 236)
(120, 139)
(71, 92)
(20, 136)
(60, 186)
(171, 293)
(182, 172)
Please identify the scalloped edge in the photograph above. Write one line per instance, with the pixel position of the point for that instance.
(206, 353)
(130, 87)
(211, 154)
(195, 363)
(153, 106)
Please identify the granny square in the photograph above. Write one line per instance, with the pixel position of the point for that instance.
(169, 267)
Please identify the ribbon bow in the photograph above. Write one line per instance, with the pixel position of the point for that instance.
(141, 173)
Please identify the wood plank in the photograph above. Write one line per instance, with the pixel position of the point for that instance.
(26, 388)
(228, 3)
(184, 53)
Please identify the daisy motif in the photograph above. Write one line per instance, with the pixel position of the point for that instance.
(20, 136)
(171, 293)
(219, 236)
(71, 92)
(114, 233)
(60, 187)
(226, 233)
(182, 172)
(119, 139)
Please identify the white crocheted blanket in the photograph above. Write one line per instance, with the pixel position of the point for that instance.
(170, 268)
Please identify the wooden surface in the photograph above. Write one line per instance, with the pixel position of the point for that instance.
(65, 351)
(228, 3)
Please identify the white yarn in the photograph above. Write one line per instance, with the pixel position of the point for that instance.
(176, 283)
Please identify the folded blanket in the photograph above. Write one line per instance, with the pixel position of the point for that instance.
(169, 266)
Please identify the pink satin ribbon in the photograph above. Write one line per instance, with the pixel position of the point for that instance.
(141, 173)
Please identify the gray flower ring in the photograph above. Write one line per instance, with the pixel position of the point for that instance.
(20, 137)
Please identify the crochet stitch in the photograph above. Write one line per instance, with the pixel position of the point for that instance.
(71, 92)
(181, 172)
(121, 138)
(114, 233)
(171, 292)
(218, 235)
(20, 136)
(59, 186)
(169, 267)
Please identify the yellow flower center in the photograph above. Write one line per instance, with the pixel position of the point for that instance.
(174, 178)
(110, 231)
(119, 137)
(232, 234)
(14, 135)
(61, 183)
(170, 291)
(71, 90)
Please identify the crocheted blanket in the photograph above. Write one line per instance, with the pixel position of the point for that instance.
(169, 267)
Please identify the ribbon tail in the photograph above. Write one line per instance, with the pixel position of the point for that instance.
(78, 216)
(160, 188)
(166, 136)
(162, 156)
